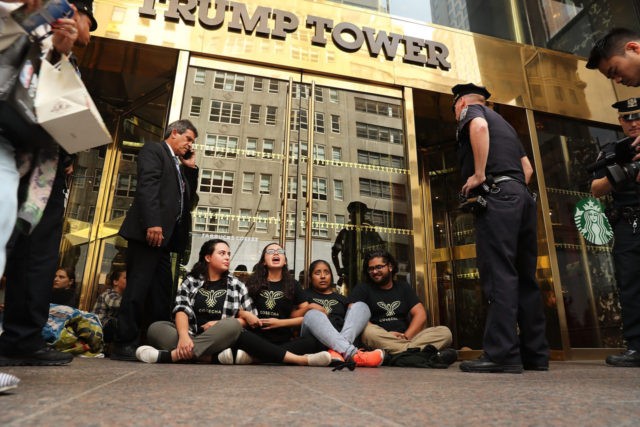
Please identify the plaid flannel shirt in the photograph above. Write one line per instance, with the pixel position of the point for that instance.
(237, 298)
(107, 305)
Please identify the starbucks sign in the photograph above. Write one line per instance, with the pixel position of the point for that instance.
(591, 221)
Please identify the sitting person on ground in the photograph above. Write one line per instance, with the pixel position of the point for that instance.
(398, 317)
(64, 287)
(281, 304)
(108, 302)
(335, 323)
(210, 311)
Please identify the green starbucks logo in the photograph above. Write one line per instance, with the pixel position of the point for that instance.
(592, 222)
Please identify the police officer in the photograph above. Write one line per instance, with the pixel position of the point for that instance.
(494, 165)
(625, 220)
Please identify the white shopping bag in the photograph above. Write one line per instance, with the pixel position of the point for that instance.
(65, 109)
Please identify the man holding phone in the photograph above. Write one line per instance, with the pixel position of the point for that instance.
(157, 224)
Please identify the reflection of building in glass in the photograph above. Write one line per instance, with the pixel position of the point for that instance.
(358, 154)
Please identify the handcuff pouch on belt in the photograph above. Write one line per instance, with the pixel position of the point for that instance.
(628, 213)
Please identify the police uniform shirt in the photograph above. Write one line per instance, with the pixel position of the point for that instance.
(629, 194)
(334, 304)
(505, 148)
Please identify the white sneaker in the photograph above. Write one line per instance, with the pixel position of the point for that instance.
(147, 354)
(226, 357)
(243, 358)
(8, 381)
(322, 358)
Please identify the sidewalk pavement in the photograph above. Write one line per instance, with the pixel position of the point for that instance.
(101, 392)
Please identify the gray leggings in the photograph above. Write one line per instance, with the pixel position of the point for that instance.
(317, 323)
(164, 336)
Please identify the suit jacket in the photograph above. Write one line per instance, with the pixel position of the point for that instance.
(157, 199)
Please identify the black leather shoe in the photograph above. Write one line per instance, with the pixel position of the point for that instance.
(46, 356)
(628, 359)
(484, 365)
(126, 352)
(446, 356)
(535, 367)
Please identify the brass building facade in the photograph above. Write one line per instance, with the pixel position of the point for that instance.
(306, 107)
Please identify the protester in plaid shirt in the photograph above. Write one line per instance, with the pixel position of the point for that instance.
(108, 302)
(211, 308)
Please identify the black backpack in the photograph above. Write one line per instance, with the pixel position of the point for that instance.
(414, 358)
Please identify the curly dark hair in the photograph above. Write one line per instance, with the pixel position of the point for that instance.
(378, 253)
(258, 280)
(200, 269)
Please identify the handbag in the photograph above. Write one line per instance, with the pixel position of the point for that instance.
(19, 67)
(65, 109)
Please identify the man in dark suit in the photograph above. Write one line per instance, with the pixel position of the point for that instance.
(156, 224)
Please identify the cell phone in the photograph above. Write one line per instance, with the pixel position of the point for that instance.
(188, 155)
(51, 11)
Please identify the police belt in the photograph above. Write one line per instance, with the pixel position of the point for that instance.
(629, 213)
(503, 178)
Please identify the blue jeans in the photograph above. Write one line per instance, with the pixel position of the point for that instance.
(9, 180)
(317, 323)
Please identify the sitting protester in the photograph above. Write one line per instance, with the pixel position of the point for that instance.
(281, 304)
(209, 314)
(333, 324)
(64, 287)
(108, 302)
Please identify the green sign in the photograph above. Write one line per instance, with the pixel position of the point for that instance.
(591, 221)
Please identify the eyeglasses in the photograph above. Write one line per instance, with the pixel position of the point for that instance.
(275, 251)
(376, 268)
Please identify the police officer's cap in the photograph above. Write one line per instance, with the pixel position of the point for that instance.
(357, 207)
(629, 109)
(469, 88)
(86, 7)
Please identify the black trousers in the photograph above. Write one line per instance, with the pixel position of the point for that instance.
(268, 352)
(31, 267)
(506, 247)
(626, 257)
(147, 297)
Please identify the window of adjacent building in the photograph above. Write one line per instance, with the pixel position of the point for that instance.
(381, 218)
(267, 147)
(244, 222)
(262, 224)
(380, 159)
(318, 224)
(220, 145)
(129, 157)
(217, 182)
(318, 94)
(318, 152)
(338, 190)
(319, 124)
(272, 113)
(225, 112)
(252, 147)
(196, 106)
(300, 91)
(212, 220)
(378, 133)
(248, 179)
(333, 96)
(291, 225)
(319, 188)
(335, 123)
(200, 76)
(292, 188)
(382, 189)
(254, 115)
(273, 86)
(299, 120)
(257, 84)
(376, 107)
(336, 154)
(265, 183)
(340, 219)
(126, 186)
(228, 81)
(79, 176)
(97, 176)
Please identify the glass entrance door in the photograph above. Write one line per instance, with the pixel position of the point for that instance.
(317, 165)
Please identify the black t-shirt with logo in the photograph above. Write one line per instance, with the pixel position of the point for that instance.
(272, 302)
(209, 301)
(389, 307)
(334, 303)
